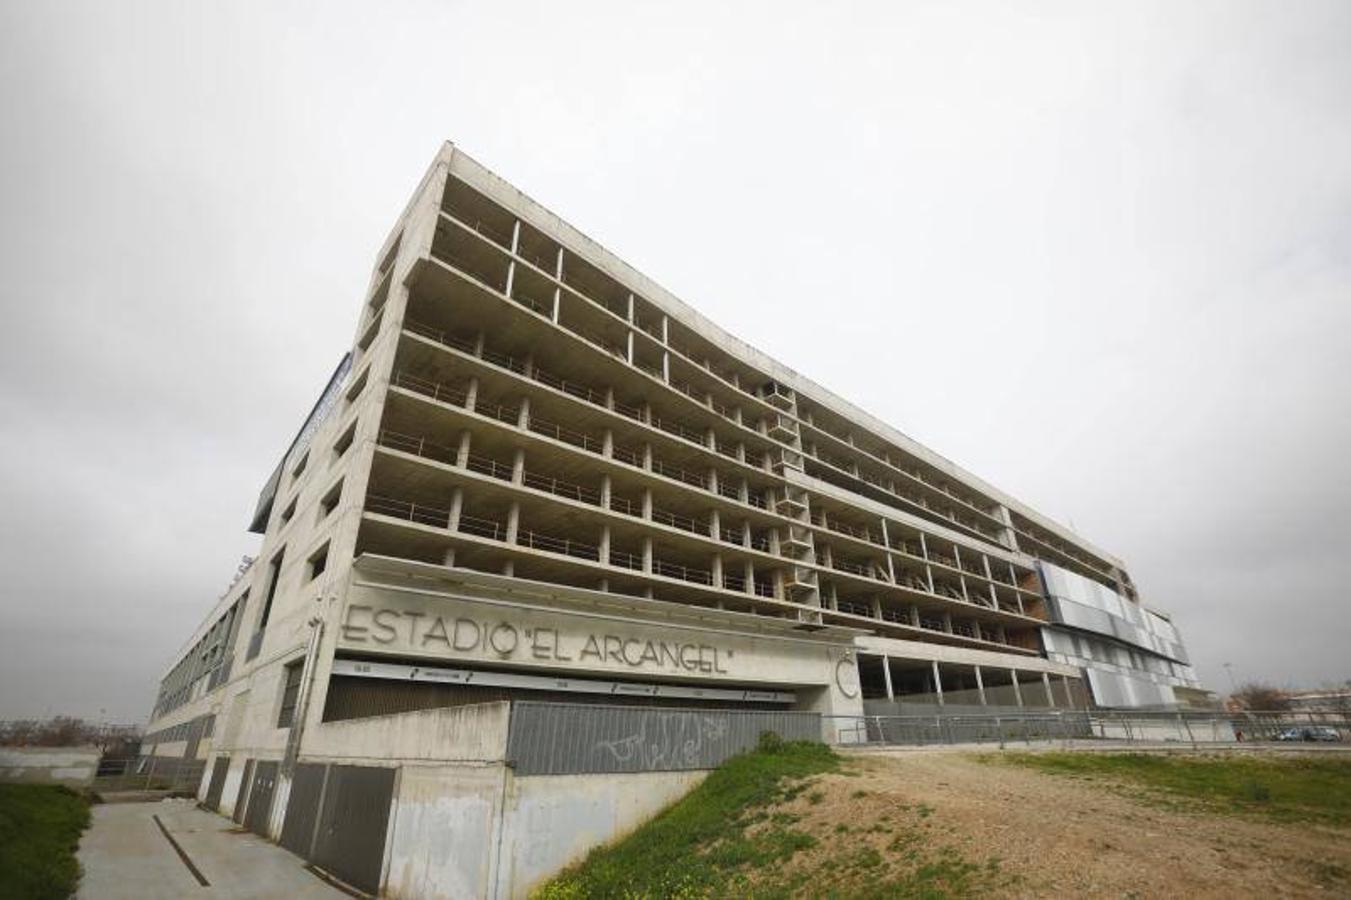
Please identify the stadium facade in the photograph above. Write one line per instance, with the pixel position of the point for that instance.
(548, 529)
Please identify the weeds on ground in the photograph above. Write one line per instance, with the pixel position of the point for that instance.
(696, 847)
(40, 828)
(1290, 789)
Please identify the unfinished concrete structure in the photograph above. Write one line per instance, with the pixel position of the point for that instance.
(539, 476)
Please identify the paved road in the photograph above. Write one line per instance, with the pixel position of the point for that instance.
(127, 857)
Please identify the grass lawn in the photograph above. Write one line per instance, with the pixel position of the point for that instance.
(1313, 788)
(40, 829)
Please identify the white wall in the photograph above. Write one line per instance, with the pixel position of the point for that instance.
(73, 766)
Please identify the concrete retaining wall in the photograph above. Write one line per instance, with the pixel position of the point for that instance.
(461, 831)
(72, 766)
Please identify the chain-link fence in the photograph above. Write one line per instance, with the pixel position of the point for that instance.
(148, 773)
(1192, 727)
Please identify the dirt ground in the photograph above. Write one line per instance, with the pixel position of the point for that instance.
(1056, 836)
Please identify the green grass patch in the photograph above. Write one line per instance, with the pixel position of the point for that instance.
(699, 846)
(40, 828)
(1285, 788)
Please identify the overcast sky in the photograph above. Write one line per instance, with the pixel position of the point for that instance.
(1099, 254)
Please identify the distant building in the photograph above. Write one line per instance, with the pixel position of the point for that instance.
(538, 476)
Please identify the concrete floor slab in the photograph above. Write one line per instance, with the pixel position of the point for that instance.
(126, 857)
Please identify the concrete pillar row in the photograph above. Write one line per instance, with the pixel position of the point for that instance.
(456, 510)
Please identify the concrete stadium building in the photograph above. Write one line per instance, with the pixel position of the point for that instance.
(551, 544)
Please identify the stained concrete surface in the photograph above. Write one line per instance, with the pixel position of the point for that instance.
(126, 857)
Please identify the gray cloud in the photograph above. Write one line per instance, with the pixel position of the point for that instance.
(1096, 254)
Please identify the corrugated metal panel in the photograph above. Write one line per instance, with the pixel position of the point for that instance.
(302, 808)
(565, 738)
(243, 796)
(351, 839)
(260, 797)
(216, 786)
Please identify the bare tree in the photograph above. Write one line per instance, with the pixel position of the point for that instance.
(1258, 697)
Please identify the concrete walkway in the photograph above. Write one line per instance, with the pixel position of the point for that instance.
(127, 857)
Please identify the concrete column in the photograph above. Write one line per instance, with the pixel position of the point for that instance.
(603, 585)
(647, 457)
(511, 276)
(834, 598)
(605, 490)
(529, 363)
(947, 622)
(750, 577)
(558, 271)
(715, 525)
(471, 394)
(1017, 691)
(456, 509)
(628, 346)
(609, 398)
(448, 559)
(509, 568)
(516, 237)
(777, 585)
(462, 453)
(665, 330)
(774, 541)
(479, 340)
(665, 364)
(980, 687)
(607, 444)
(711, 483)
(1046, 683)
(938, 683)
(513, 521)
(647, 503)
(558, 303)
(886, 675)
(711, 439)
(604, 553)
(1069, 697)
(647, 555)
(827, 557)
(523, 420)
(914, 616)
(628, 309)
(745, 534)
(877, 608)
(518, 466)
(717, 570)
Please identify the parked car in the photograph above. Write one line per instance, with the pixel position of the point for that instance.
(1309, 733)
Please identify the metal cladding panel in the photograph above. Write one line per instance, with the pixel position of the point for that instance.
(572, 739)
(302, 808)
(351, 839)
(242, 797)
(260, 797)
(216, 786)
